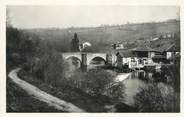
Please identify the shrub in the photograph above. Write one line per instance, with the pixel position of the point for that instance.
(49, 68)
(116, 92)
(154, 98)
(98, 82)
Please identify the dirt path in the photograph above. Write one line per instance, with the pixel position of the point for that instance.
(41, 95)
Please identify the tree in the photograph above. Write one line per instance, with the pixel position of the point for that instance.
(155, 98)
(75, 44)
(98, 82)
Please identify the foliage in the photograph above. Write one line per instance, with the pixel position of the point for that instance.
(174, 72)
(49, 68)
(155, 98)
(20, 47)
(116, 92)
(45, 63)
(34, 55)
(98, 82)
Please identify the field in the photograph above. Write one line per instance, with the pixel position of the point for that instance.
(102, 37)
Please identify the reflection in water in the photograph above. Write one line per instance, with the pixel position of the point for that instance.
(132, 85)
(140, 79)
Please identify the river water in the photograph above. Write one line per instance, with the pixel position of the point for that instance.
(132, 86)
(137, 80)
(134, 81)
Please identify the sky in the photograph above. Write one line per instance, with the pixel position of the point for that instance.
(87, 16)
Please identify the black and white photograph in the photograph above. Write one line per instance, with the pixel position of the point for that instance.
(93, 59)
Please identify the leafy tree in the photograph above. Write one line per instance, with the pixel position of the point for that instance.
(98, 82)
(50, 68)
(154, 98)
(21, 46)
(13, 47)
(116, 92)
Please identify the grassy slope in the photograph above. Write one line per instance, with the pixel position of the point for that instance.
(75, 96)
(19, 101)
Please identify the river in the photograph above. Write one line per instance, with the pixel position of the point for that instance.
(135, 81)
(132, 81)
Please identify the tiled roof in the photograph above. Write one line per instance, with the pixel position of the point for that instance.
(173, 48)
(169, 47)
(144, 48)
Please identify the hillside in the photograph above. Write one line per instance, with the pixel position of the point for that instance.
(102, 37)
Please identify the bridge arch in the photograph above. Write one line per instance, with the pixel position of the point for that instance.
(73, 57)
(92, 56)
(73, 62)
(97, 60)
(68, 55)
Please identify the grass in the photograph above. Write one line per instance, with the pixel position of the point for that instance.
(75, 96)
(19, 101)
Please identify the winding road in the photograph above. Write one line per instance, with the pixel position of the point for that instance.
(41, 95)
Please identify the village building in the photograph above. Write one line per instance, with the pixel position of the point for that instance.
(172, 51)
(125, 58)
(144, 51)
(169, 50)
(136, 57)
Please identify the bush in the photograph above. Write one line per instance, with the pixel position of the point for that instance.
(98, 82)
(155, 98)
(49, 68)
(116, 92)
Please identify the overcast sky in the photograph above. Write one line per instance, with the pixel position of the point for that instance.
(85, 16)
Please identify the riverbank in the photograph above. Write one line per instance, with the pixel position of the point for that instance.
(73, 95)
(122, 76)
(41, 95)
(76, 96)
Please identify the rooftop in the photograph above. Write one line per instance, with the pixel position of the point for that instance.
(169, 47)
(144, 49)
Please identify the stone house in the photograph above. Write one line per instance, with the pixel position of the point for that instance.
(136, 57)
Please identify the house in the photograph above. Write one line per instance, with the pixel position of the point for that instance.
(125, 57)
(144, 52)
(130, 58)
(136, 57)
(171, 51)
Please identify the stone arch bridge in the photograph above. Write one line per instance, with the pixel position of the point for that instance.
(85, 57)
